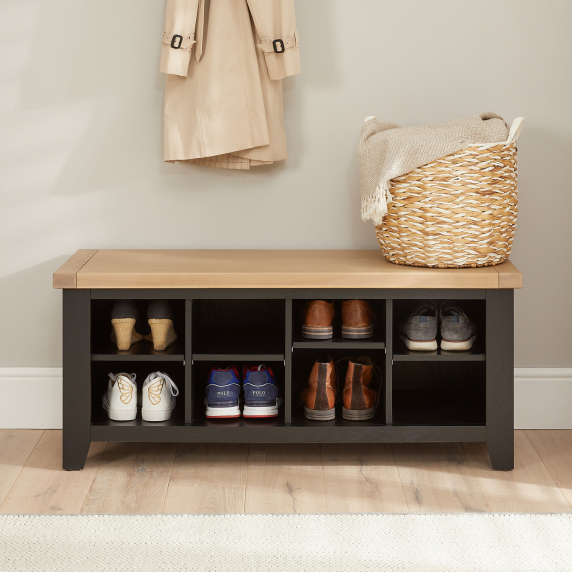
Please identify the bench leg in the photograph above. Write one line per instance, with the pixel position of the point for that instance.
(77, 378)
(500, 378)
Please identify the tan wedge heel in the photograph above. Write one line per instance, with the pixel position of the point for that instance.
(123, 333)
(162, 333)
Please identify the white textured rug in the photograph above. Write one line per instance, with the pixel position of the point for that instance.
(276, 543)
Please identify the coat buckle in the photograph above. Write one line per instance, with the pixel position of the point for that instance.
(276, 44)
(180, 40)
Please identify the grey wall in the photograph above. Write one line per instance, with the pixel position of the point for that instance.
(81, 143)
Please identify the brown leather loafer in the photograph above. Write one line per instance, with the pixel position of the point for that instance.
(357, 319)
(360, 402)
(317, 318)
(319, 397)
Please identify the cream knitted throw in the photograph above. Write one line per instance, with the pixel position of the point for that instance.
(388, 150)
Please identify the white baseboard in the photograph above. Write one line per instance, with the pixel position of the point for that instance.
(543, 398)
(32, 398)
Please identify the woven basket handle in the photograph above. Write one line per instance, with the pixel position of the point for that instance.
(515, 130)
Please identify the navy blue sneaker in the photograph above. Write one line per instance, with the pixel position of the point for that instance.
(223, 393)
(261, 394)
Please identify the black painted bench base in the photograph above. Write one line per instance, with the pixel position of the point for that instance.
(425, 396)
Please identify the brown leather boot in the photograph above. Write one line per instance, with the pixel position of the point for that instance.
(319, 398)
(357, 319)
(317, 318)
(359, 400)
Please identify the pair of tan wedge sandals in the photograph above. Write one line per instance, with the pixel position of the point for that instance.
(160, 318)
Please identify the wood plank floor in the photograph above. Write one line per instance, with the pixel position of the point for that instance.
(191, 478)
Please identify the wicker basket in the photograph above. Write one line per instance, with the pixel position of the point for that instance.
(459, 211)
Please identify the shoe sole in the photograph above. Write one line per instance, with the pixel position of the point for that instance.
(320, 415)
(261, 411)
(357, 332)
(358, 414)
(223, 412)
(252, 413)
(156, 415)
(427, 346)
(118, 414)
(457, 346)
(318, 333)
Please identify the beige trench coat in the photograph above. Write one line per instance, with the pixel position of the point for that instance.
(223, 103)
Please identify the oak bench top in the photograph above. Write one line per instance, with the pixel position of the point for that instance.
(94, 269)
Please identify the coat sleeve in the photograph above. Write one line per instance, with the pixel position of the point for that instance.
(179, 36)
(275, 23)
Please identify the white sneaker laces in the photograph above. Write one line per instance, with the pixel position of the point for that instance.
(170, 383)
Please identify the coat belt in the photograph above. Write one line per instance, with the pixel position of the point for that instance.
(202, 25)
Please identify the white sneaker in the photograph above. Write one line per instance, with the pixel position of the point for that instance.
(158, 399)
(120, 399)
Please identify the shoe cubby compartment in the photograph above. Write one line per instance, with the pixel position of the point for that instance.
(440, 393)
(200, 375)
(377, 341)
(474, 309)
(103, 349)
(99, 380)
(252, 330)
(302, 362)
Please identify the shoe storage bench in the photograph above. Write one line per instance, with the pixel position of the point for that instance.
(243, 307)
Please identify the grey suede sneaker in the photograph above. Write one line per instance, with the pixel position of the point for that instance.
(457, 331)
(419, 331)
